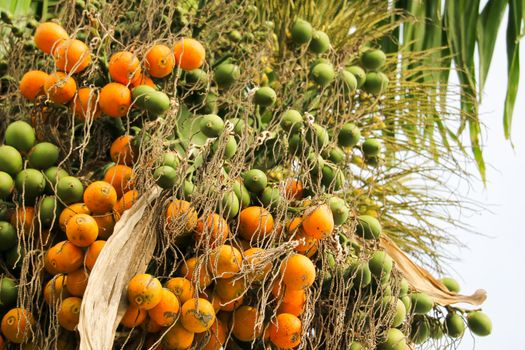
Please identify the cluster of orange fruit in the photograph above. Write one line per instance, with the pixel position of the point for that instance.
(226, 276)
(87, 225)
(187, 314)
(72, 56)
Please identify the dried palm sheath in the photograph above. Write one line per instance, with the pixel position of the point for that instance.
(126, 253)
(421, 280)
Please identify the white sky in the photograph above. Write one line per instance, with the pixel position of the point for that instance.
(494, 263)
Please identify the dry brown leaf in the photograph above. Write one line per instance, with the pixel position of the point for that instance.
(126, 253)
(423, 281)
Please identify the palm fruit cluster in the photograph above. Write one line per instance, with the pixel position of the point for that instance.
(243, 153)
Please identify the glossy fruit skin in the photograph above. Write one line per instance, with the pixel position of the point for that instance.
(166, 312)
(144, 291)
(332, 177)
(454, 325)
(317, 136)
(177, 338)
(420, 331)
(421, 303)
(70, 189)
(360, 274)
(368, 227)
(264, 96)
(181, 212)
(124, 67)
(395, 340)
(56, 289)
(244, 324)
(123, 150)
(318, 222)
(10, 160)
(140, 93)
(403, 287)
(100, 197)
(115, 100)
(225, 261)
(160, 61)
(189, 54)
(77, 282)
(348, 80)
(8, 236)
(323, 74)
(165, 176)
(52, 175)
(82, 230)
(285, 331)
(196, 77)
(380, 264)
(298, 272)
(340, 210)
(65, 257)
(60, 88)
(85, 104)
(49, 211)
(212, 227)
(32, 84)
(229, 205)
(355, 346)
(211, 125)
(48, 35)
(291, 121)
(151, 100)
(30, 183)
(451, 284)
(373, 59)
(400, 314)
(69, 313)
(376, 83)
(198, 315)
(255, 180)
(479, 323)
(157, 103)
(43, 155)
(93, 252)
(371, 147)
(320, 42)
(301, 32)
(271, 197)
(8, 292)
(6, 185)
(72, 56)
(20, 135)
(349, 135)
(230, 148)
(182, 288)
(358, 73)
(17, 324)
(125, 202)
(226, 74)
(242, 194)
(121, 177)
(255, 223)
(133, 317)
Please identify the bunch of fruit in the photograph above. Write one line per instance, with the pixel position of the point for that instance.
(260, 231)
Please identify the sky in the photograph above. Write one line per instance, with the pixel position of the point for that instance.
(493, 261)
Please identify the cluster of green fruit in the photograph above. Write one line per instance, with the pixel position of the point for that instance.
(352, 77)
(373, 277)
(38, 186)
